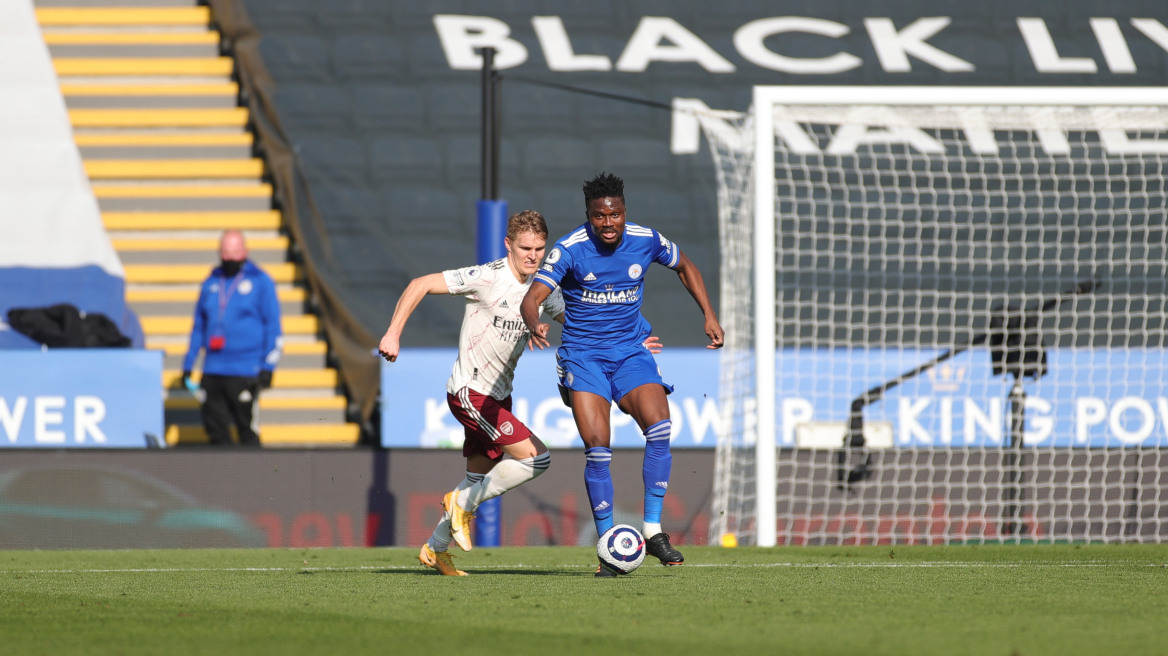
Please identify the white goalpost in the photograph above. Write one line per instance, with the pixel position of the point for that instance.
(946, 315)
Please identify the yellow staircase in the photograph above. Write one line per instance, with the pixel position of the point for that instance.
(166, 146)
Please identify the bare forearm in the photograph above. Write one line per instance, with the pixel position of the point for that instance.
(411, 297)
(406, 305)
(529, 309)
(691, 279)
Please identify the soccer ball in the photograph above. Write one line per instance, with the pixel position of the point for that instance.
(621, 548)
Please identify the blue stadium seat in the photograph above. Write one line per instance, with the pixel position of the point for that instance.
(658, 208)
(296, 58)
(332, 158)
(533, 108)
(398, 158)
(356, 15)
(346, 208)
(411, 209)
(386, 107)
(454, 107)
(293, 14)
(412, 15)
(578, 17)
(367, 57)
(547, 158)
(427, 60)
(519, 200)
(563, 208)
(316, 107)
(464, 159)
(646, 159)
(605, 114)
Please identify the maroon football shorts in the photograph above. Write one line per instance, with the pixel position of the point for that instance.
(488, 423)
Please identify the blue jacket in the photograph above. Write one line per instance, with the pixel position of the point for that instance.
(245, 313)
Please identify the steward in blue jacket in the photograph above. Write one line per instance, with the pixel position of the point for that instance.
(237, 326)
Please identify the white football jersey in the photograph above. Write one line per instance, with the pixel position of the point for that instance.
(493, 333)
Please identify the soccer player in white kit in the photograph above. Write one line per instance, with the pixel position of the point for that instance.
(501, 452)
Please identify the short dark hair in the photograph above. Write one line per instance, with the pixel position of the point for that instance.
(605, 185)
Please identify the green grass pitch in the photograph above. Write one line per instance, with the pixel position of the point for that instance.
(1019, 600)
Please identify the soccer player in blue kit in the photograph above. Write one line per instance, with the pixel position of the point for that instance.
(600, 267)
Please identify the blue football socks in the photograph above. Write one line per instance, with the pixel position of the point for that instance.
(655, 469)
(598, 482)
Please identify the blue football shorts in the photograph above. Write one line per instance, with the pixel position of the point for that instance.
(610, 373)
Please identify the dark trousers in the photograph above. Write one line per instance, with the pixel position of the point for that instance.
(231, 400)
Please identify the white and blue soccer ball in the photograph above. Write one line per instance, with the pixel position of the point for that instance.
(621, 548)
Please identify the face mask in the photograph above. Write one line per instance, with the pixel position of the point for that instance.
(231, 267)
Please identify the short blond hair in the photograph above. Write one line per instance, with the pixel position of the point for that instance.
(526, 221)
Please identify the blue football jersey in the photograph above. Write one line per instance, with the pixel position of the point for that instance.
(603, 287)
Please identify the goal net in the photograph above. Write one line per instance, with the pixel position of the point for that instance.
(945, 315)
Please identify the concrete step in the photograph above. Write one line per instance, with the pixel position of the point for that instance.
(180, 203)
(262, 257)
(276, 435)
(197, 235)
(227, 89)
(201, 245)
(121, 3)
(118, 80)
(293, 345)
(165, 169)
(122, 15)
(235, 117)
(109, 37)
(143, 66)
(209, 220)
(117, 199)
(166, 152)
(180, 325)
(131, 50)
(151, 242)
(300, 352)
(324, 409)
(282, 378)
(132, 44)
(175, 308)
(289, 361)
(205, 138)
(140, 101)
(195, 273)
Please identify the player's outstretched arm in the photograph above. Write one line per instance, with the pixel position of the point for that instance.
(434, 283)
(692, 279)
(529, 309)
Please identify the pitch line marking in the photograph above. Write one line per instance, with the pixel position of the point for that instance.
(360, 568)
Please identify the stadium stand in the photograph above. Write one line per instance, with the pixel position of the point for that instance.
(166, 145)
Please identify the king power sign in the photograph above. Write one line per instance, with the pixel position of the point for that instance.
(1094, 398)
(1090, 398)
